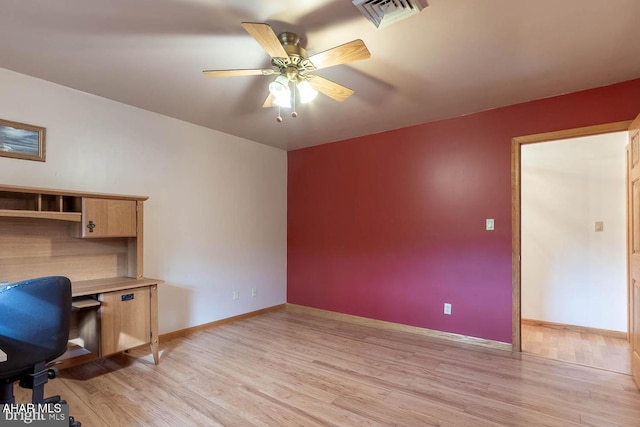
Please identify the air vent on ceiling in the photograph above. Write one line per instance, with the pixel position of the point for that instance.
(386, 12)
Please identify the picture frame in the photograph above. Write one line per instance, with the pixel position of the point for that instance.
(22, 141)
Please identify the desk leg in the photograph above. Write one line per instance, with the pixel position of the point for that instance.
(153, 294)
(154, 350)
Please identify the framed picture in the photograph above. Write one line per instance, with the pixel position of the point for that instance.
(22, 141)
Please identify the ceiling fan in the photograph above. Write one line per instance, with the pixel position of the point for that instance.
(294, 67)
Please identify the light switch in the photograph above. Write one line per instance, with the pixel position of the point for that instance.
(599, 226)
(490, 224)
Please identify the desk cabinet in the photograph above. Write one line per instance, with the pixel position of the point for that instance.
(96, 240)
(108, 218)
(125, 319)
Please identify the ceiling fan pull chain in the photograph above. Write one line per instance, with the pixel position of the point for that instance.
(279, 118)
(294, 114)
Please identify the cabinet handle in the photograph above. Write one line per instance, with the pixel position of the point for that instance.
(127, 297)
(91, 226)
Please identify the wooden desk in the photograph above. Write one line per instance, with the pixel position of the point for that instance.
(110, 316)
(96, 240)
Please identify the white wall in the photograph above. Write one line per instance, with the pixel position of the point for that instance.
(216, 217)
(570, 273)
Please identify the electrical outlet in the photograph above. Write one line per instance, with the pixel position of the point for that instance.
(236, 295)
(447, 308)
(254, 292)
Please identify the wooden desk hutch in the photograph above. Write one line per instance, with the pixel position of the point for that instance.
(96, 241)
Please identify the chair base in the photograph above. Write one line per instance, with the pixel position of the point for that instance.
(33, 380)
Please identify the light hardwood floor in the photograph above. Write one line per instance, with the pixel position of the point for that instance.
(585, 348)
(293, 367)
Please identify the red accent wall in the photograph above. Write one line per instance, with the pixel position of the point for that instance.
(390, 226)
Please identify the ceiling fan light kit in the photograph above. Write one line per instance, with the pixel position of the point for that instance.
(279, 88)
(386, 12)
(283, 94)
(307, 93)
(294, 67)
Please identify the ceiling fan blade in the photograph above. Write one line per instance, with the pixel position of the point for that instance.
(232, 73)
(269, 101)
(331, 89)
(265, 36)
(353, 51)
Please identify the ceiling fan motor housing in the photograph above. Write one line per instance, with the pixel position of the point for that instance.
(297, 64)
(287, 38)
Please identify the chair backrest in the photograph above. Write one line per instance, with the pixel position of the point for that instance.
(34, 322)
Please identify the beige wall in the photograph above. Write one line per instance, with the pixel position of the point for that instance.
(216, 217)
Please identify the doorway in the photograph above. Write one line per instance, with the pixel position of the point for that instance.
(573, 245)
(517, 144)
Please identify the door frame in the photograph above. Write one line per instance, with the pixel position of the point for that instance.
(516, 145)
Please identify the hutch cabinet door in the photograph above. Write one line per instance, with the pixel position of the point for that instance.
(108, 218)
(125, 319)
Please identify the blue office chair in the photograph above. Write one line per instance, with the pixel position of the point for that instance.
(35, 316)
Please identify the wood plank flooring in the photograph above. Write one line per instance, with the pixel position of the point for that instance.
(589, 349)
(293, 367)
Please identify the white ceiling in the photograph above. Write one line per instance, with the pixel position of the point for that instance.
(456, 57)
